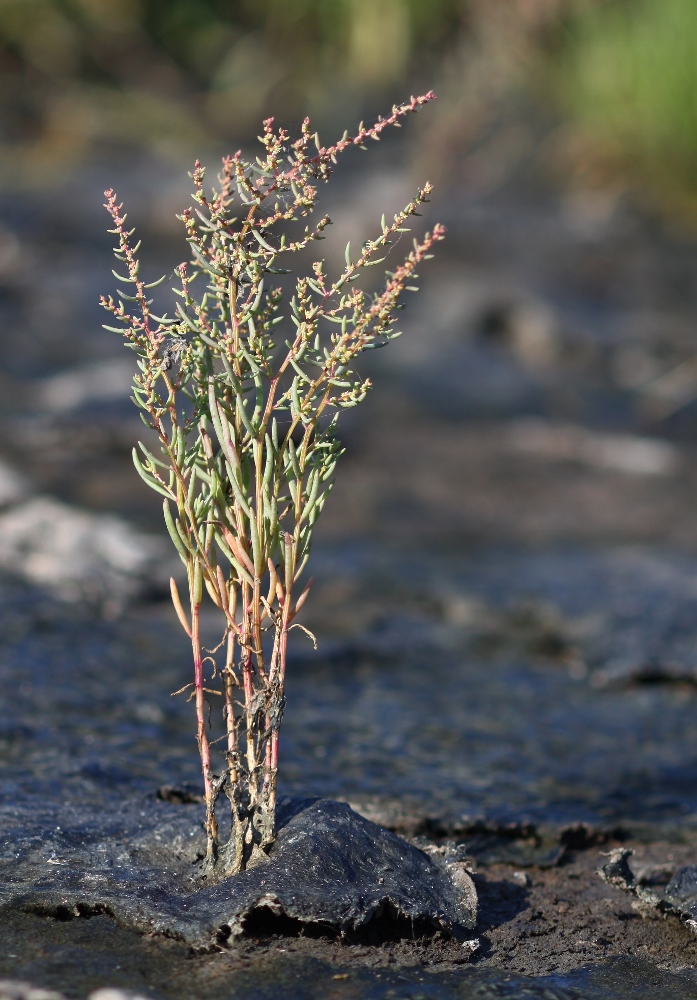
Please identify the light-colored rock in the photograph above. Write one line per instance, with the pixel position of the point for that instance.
(99, 381)
(532, 332)
(13, 485)
(15, 989)
(625, 453)
(111, 993)
(77, 554)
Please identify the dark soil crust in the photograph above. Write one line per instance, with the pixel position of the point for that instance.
(534, 923)
(330, 868)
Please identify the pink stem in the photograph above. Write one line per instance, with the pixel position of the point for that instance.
(201, 735)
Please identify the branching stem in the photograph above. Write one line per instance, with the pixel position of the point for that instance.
(247, 430)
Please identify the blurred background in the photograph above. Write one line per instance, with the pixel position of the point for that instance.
(546, 390)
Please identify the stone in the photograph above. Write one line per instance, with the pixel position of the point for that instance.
(13, 485)
(679, 896)
(76, 554)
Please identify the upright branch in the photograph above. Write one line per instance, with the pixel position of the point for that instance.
(246, 429)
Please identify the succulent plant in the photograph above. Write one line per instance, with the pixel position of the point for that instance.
(244, 399)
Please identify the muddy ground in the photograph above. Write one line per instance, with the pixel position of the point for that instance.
(506, 598)
(533, 923)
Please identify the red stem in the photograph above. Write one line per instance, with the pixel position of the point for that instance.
(230, 708)
(201, 735)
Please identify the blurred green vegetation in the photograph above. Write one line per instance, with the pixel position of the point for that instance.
(74, 73)
(620, 76)
(626, 75)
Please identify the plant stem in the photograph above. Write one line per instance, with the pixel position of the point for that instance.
(234, 854)
(201, 734)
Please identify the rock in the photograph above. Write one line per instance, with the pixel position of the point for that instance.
(111, 993)
(681, 893)
(13, 486)
(76, 554)
(13, 989)
(330, 868)
(522, 879)
(623, 673)
(529, 328)
(678, 897)
(100, 381)
(625, 453)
